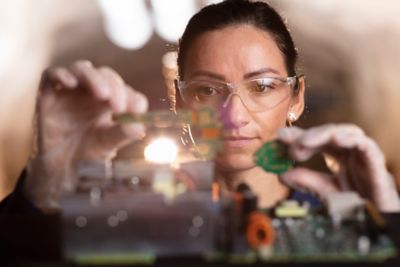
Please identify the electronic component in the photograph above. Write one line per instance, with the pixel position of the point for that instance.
(197, 131)
(153, 209)
(343, 205)
(316, 238)
(292, 209)
(260, 231)
(273, 157)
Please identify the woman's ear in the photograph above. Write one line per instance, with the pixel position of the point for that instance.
(297, 102)
(176, 99)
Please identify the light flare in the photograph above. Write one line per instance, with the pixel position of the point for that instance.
(162, 150)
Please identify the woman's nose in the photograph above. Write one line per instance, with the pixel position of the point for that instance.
(233, 113)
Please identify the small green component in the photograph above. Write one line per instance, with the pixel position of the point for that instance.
(273, 157)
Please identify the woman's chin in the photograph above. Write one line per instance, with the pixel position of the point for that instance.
(233, 163)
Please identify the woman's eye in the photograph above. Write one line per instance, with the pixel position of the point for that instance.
(206, 91)
(259, 88)
(262, 86)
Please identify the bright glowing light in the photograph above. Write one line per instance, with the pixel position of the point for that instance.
(162, 150)
(171, 17)
(127, 23)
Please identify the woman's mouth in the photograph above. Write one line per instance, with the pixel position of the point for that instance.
(237, 141)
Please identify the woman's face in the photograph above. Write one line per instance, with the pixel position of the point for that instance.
(235, 54)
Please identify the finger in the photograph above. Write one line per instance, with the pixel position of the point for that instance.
(117, 136)
(91, 79)
(319, 136)
(325, 138)
(119, 98)
(134, 131)
(346, 144)
(365, 156)
(372, 152)
(137, 102)
(302, 153)
(303, 179)
(60, 77)
(289, 134)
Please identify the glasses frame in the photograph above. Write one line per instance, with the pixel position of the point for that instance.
(292, 81)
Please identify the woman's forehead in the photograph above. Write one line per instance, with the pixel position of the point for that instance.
(242, 48)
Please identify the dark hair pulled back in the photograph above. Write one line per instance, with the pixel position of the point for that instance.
(231, 12)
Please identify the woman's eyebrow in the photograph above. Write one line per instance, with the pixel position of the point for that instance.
(259, 72)
(207, 74)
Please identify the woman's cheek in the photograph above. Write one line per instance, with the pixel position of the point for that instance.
(269, 122)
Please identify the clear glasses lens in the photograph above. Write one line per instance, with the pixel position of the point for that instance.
(256, 95)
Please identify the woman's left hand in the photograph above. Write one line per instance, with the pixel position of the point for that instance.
(356, 162)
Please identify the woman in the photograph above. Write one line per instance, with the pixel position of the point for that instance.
(238, 58)
(247, 44)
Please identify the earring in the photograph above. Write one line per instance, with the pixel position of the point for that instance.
(291, 117)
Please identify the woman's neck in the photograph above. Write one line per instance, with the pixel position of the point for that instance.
(265, 185)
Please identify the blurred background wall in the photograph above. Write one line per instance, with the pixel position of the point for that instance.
(349, 54)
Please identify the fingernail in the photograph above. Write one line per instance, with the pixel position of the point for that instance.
(72, 82)
(142, 105)
(104, 91)
(287, 179)
(86, 63)
(122, 106)
(135, 131)
(283, 133)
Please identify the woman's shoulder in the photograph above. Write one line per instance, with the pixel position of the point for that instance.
(17, 202)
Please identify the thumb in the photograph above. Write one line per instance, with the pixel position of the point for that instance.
(303, 179)
(103, 143)
(116, 136)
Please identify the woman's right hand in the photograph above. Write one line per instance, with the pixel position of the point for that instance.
(74, 124)
(355, 160)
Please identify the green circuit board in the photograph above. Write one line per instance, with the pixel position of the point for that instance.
(315, 239)
(273, 157)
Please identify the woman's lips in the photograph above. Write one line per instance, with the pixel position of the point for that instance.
(237, 142)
